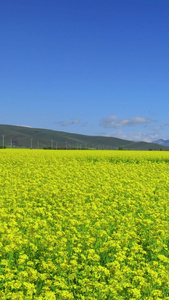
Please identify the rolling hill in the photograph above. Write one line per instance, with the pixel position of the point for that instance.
(162, 142)
(26, 137)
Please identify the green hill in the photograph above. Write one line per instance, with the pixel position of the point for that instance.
(26, 137)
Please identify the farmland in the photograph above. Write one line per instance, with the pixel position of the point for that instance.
(89, 225)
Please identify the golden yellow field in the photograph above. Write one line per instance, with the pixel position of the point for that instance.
(84, 225)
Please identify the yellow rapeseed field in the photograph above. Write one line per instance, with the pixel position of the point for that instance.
(89, 225)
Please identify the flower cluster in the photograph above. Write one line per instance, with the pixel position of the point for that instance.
(85, 225)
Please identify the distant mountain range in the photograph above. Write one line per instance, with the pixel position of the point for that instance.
(26, 137)
(162, 142)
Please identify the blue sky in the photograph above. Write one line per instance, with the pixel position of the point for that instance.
(96, 67)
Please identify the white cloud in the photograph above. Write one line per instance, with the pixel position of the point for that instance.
(112, 122)
(107, 122)
(24, 126)
(135, 136)
(156, 128)
(75, 122)
(63, 123)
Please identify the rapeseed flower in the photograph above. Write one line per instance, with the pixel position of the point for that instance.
(84, 225)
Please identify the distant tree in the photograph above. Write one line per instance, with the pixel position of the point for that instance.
(120, 148)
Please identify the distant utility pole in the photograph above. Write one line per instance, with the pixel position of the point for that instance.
(3, 138)
(11, 143)
(66, 145)
(56, 146)
(31, 143)
(51, 144)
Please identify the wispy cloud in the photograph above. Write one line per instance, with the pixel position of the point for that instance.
(63, 123)
(156, 128)
(112, 122)
(109, 121)
(135, 136)
(75, 122)
(25, 126)
(66, 123)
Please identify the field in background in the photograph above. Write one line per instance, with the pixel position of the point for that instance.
(84, 225)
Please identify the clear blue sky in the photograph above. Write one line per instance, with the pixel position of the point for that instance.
(97, 67)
